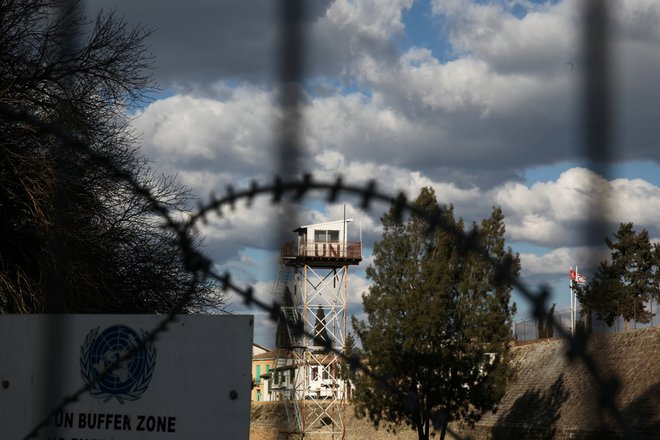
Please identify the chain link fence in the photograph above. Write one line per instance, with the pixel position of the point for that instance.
(533, 329)
(289, 188)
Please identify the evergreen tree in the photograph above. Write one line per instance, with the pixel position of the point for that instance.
(352, 352)
(438, 321)
(321, 338)
(549, 328)
(544, 327)
(540, 329)
(624, 285)
(283, 333)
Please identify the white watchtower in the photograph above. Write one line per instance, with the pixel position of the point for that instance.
(308, 377)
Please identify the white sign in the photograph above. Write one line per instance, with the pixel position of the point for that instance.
(192, 382)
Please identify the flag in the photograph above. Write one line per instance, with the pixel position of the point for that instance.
(578, 278)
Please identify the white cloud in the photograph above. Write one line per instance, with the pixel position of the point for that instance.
(507, 101)
(557, 261)
(375, 18)
(195, 133)
(228, 234)
(467, 125)
(542, 41)
(211, 143)
(392, 180)
(556, 213)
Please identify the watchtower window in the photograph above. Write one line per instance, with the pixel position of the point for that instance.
(320, 235)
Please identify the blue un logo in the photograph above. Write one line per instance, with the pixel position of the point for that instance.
(114, 364)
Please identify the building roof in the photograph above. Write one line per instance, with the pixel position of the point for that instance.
(271, 354)
(318, 225)
(258, 348)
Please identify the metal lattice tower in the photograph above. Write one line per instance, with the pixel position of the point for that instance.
(308, 375)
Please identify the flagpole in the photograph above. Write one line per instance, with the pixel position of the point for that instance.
(577, 273)
(570, 290)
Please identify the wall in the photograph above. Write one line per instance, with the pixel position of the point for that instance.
(554, 398)
(550, 397)
(261, 366)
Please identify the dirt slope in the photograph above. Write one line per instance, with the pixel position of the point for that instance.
(550, 398)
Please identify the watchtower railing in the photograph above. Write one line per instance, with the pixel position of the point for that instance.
(324, 249)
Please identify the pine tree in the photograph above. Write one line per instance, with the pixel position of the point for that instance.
(544, 327)
(540, 329)
(549, 328)
(345, 368)
(321, 338)
(353, 353)
(283, 333)
(438, 321)
(624, 285)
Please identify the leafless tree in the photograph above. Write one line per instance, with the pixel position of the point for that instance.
(76, 236)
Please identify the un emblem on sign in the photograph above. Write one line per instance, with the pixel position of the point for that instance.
(130, 377)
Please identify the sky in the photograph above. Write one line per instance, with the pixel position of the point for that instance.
(480, 100)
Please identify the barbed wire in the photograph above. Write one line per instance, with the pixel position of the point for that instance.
(291, 189)
(296, 190)
(577, 344)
